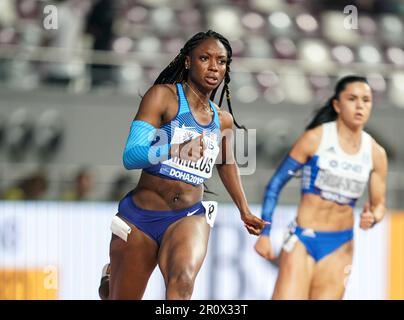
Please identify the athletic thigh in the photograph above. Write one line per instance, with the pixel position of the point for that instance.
(132, 263)
(331, 274)
(184, 247)
(295, 272)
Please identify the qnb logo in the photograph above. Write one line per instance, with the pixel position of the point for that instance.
(351, 167)
(346, 166)
(333, 163)
(8, 236)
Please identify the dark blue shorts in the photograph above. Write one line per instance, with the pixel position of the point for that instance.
(321, 243)
(154, 223)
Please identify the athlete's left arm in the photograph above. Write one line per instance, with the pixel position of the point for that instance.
(377, 183)
(375, 211)
(230, 176)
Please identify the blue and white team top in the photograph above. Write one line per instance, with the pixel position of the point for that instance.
(335, 175)
(183, 127)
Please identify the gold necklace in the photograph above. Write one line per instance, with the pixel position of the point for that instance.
(205, 106)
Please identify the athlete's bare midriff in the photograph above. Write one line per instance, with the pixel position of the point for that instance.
(156, 193)
(324, 215)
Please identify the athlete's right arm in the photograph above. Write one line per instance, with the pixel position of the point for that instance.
(139, 152)
(302, 150)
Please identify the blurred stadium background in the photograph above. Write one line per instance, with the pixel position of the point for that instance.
(68, 95)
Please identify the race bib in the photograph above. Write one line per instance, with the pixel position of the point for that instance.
(188, 171)
(210, 212)
(345, 178)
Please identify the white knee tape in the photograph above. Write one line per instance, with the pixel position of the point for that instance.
(120, 228)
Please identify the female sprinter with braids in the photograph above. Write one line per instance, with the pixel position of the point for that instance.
(175, 138)
(338, 159)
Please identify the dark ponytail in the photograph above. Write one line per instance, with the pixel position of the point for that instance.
(327, 113)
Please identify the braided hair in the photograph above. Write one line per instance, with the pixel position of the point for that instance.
(176, 72)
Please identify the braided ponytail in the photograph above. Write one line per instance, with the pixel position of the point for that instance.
(226, 90)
